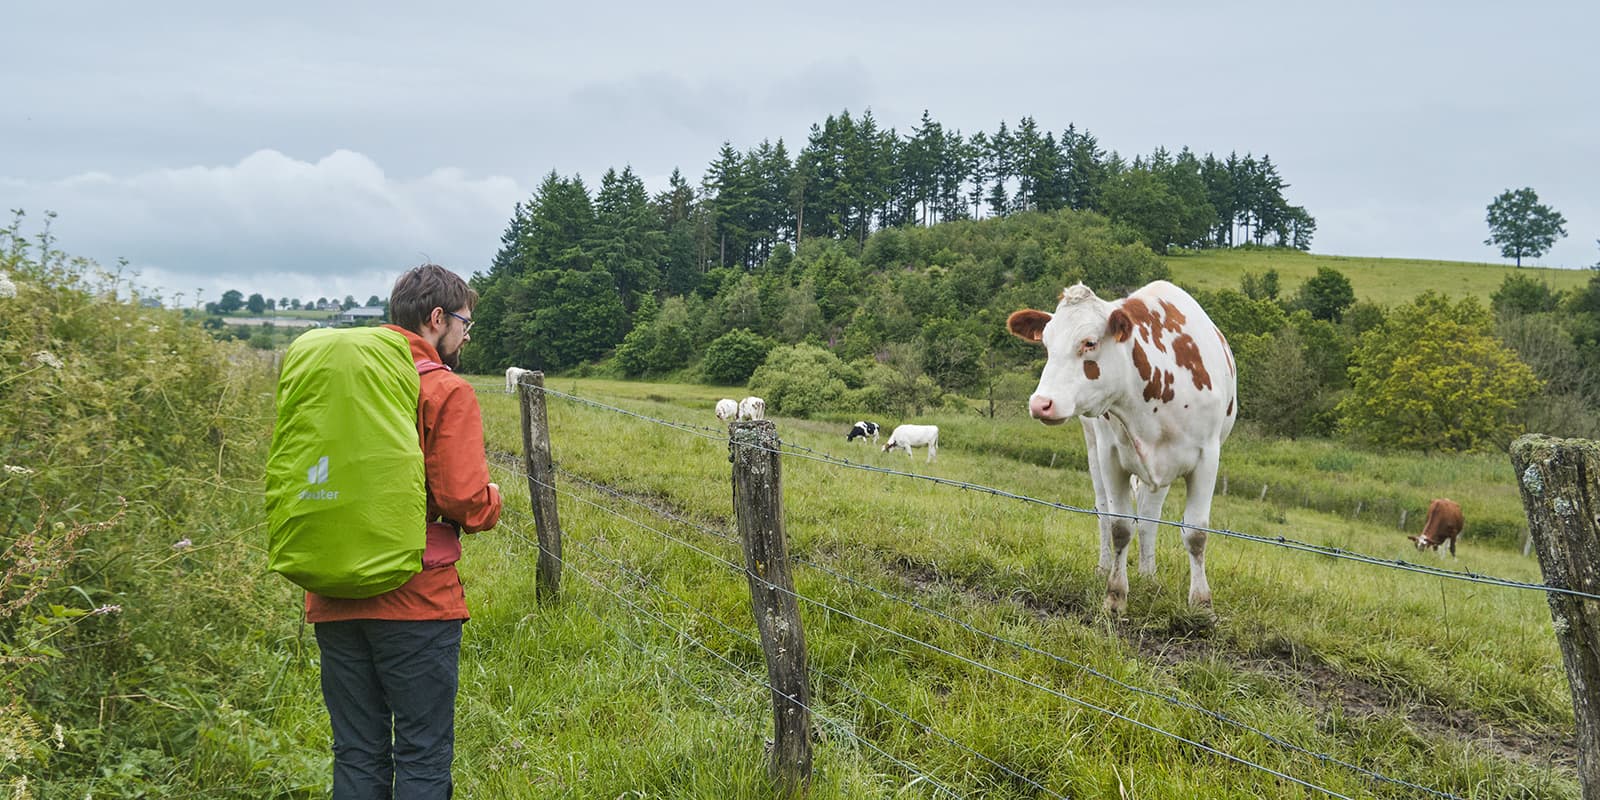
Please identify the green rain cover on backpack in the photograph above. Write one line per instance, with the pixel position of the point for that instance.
(346, 495)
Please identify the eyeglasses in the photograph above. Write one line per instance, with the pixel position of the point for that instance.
(464, 320)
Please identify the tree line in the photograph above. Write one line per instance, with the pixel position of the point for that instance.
(574, 269)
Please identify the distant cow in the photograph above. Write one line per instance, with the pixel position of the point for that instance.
(727, 409)
(1153, 382)
(752, 407)
(862, 430)
(513, 376)
(1443, 525)
(906, 437)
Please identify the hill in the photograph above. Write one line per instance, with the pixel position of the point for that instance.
(1385, 281)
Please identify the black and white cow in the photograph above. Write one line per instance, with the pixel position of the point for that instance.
(862, 430)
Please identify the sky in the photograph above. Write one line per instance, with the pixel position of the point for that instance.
(319, 149)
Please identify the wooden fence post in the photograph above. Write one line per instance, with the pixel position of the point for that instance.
(1263, 496)
(541, 484)
(1403, 519)
(758, 506)
(1558, 479)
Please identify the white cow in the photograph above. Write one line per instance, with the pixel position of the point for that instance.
(906, 437)
(1153, 382)
(752, 407)
(513, 376)
(727, 409)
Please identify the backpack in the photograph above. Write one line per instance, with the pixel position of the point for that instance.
(346, 493)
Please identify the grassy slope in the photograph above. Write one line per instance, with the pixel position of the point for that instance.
(1386, 281)
(595, 697)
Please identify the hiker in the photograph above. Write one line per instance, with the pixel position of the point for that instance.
(390, 662)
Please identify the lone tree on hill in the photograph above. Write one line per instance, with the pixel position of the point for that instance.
(1522, 226)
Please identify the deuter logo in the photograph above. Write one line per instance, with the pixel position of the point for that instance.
(318, 474)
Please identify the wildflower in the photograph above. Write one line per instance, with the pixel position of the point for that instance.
(16, 470)
(48, 359)
(60, 735)
(103, 610)
(7, 288)
(182, 544)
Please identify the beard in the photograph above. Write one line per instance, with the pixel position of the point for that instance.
(451, 359)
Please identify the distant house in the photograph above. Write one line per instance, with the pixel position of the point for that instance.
(359, 316)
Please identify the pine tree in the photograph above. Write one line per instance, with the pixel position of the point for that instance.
(627, 240)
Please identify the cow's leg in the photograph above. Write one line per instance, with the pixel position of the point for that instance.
(1101, 503)
(1149, 502)
(933, 450)
(1197, 513)
(1121, 501)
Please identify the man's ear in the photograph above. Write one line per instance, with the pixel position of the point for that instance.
(1027, 324)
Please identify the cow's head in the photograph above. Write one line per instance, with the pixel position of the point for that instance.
(1422, 542)
(1083, 342)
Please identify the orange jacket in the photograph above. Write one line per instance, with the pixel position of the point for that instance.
(451, 429)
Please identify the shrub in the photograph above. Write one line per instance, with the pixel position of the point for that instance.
(1433, 378)
(132, 468)
(734, 356)
(802, 380)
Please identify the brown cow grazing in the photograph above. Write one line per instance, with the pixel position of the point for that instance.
(1443, 525)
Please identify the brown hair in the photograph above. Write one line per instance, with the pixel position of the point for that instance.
(422, 289)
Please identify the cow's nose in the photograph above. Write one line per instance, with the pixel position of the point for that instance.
(1041, 407)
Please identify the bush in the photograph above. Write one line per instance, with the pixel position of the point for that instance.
(802, 380)
(132, 469)
(1432, 377)
(733, 356)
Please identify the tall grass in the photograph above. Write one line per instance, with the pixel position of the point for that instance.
(1402, 674)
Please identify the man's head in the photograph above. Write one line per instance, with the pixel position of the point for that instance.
(436, 304)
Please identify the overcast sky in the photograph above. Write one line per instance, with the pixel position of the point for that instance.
(310, 149)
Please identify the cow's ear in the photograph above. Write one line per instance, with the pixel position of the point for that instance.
(1028, 324)
(1119, 325)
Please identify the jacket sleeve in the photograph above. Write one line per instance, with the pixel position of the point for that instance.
(458, 472)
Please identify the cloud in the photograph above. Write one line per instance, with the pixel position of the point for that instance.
(276, 224)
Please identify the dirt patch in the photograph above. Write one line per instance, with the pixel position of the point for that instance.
(1298, 671)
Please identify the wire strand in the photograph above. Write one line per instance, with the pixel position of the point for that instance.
(1278, 541)
(1175, 701)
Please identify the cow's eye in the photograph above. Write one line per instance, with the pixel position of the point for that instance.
(1087, 346)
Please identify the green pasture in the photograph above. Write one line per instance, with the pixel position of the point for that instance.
(644, 679)
(1385, 281)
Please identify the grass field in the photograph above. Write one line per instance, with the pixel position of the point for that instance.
(1385, 281)
(955, 638)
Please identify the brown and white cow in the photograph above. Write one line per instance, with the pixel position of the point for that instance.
(1443, 525)
(1153, 382)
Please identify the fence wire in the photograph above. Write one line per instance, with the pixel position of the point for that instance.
(1002, 673)
(749, 676)
(1171, 700)
(811, 454)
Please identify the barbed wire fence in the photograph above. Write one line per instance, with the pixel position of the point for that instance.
(639, 580)
(1277, 541)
